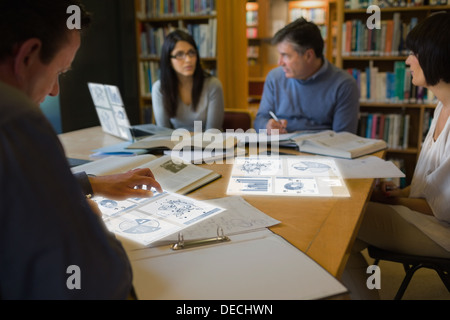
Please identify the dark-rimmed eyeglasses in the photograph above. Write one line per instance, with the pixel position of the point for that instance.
(181, 55)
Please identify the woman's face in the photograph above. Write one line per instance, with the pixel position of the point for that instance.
(184, 59)
(418, 78)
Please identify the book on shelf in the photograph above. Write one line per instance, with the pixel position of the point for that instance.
(358, 4)
(392, 128)
(149, 73)
(389, 40)
(316, 15)
(204, 34)
(173, 176)
(147, 9)
(389, 87)
(339, 144)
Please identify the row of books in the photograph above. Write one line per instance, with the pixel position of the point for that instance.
(251, 18)
(390, 87)
(389, 40)
(252, 52)
(316, 15)
(363, 4)
(148, 9)
(149, 73)
(392, 128)
(205, 36)
(399, 163)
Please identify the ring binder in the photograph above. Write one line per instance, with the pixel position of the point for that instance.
(181, 244)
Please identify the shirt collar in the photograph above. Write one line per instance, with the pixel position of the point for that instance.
(322, 70)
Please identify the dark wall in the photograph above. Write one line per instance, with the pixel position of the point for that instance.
(107, 55)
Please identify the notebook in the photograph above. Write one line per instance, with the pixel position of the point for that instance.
(113, 116)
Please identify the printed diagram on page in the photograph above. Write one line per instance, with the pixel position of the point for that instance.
(147, 220)
(286, 175)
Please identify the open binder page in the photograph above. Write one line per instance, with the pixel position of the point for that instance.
(255, 265)
(140, 222)
(239, 216)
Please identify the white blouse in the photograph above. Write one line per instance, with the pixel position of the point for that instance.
(431, 181)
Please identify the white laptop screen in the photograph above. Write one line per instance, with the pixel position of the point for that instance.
(110, 110)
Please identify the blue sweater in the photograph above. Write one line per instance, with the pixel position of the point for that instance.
(328, 100)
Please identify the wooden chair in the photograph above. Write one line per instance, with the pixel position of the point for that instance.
(411, 264)
(237, 119)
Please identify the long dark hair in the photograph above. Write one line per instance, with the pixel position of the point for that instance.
(169, 80)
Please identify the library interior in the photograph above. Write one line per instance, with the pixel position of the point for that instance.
(232, 225)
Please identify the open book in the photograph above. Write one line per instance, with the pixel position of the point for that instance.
(342, 144)
(186, 140)
(179, 177)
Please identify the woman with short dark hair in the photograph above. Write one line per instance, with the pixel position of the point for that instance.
(415, 220)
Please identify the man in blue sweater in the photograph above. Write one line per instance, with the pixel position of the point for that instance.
(306, 92)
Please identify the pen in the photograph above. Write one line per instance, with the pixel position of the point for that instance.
(274, 116)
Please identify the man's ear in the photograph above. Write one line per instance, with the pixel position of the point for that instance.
(310, 54)
(26, 56)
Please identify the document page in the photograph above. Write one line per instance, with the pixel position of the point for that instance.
(286, 176)
(239, 216)
(146, 220)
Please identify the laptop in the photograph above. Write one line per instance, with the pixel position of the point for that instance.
(113, 116)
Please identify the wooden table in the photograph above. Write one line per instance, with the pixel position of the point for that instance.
(323, 228)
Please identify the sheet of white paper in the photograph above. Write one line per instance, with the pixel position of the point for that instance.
(368, 167)
(239, 216)
(254, 265)
(144, 221)
(287, 176)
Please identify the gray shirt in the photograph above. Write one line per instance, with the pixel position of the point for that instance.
(209, 111)
(46, 224)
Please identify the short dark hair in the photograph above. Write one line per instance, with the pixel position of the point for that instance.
(304, 34)
(169, 79)
(430, 43)
(46, 20)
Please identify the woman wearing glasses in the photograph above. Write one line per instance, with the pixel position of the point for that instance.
(415, 220)
(185, 93)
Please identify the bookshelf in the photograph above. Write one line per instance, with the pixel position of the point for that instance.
(258, 45)
(322, 13)
(207, 21)
(376, 59)
(264, 18)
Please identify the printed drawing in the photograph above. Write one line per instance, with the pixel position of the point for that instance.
(311, 166)
(173, 167)
(139, 226)
(99, 95)
(258, 168)
(289, 175)
(178, 208)
(299, 186)
(145, 220)
(253, 185)
(295, 185)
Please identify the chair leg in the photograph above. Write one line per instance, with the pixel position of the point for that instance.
(445, 277)
(409, 273)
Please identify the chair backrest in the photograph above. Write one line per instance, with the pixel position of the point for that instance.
(237, 119)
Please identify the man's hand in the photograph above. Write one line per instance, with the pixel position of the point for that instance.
(132, 184)
(272, 124)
